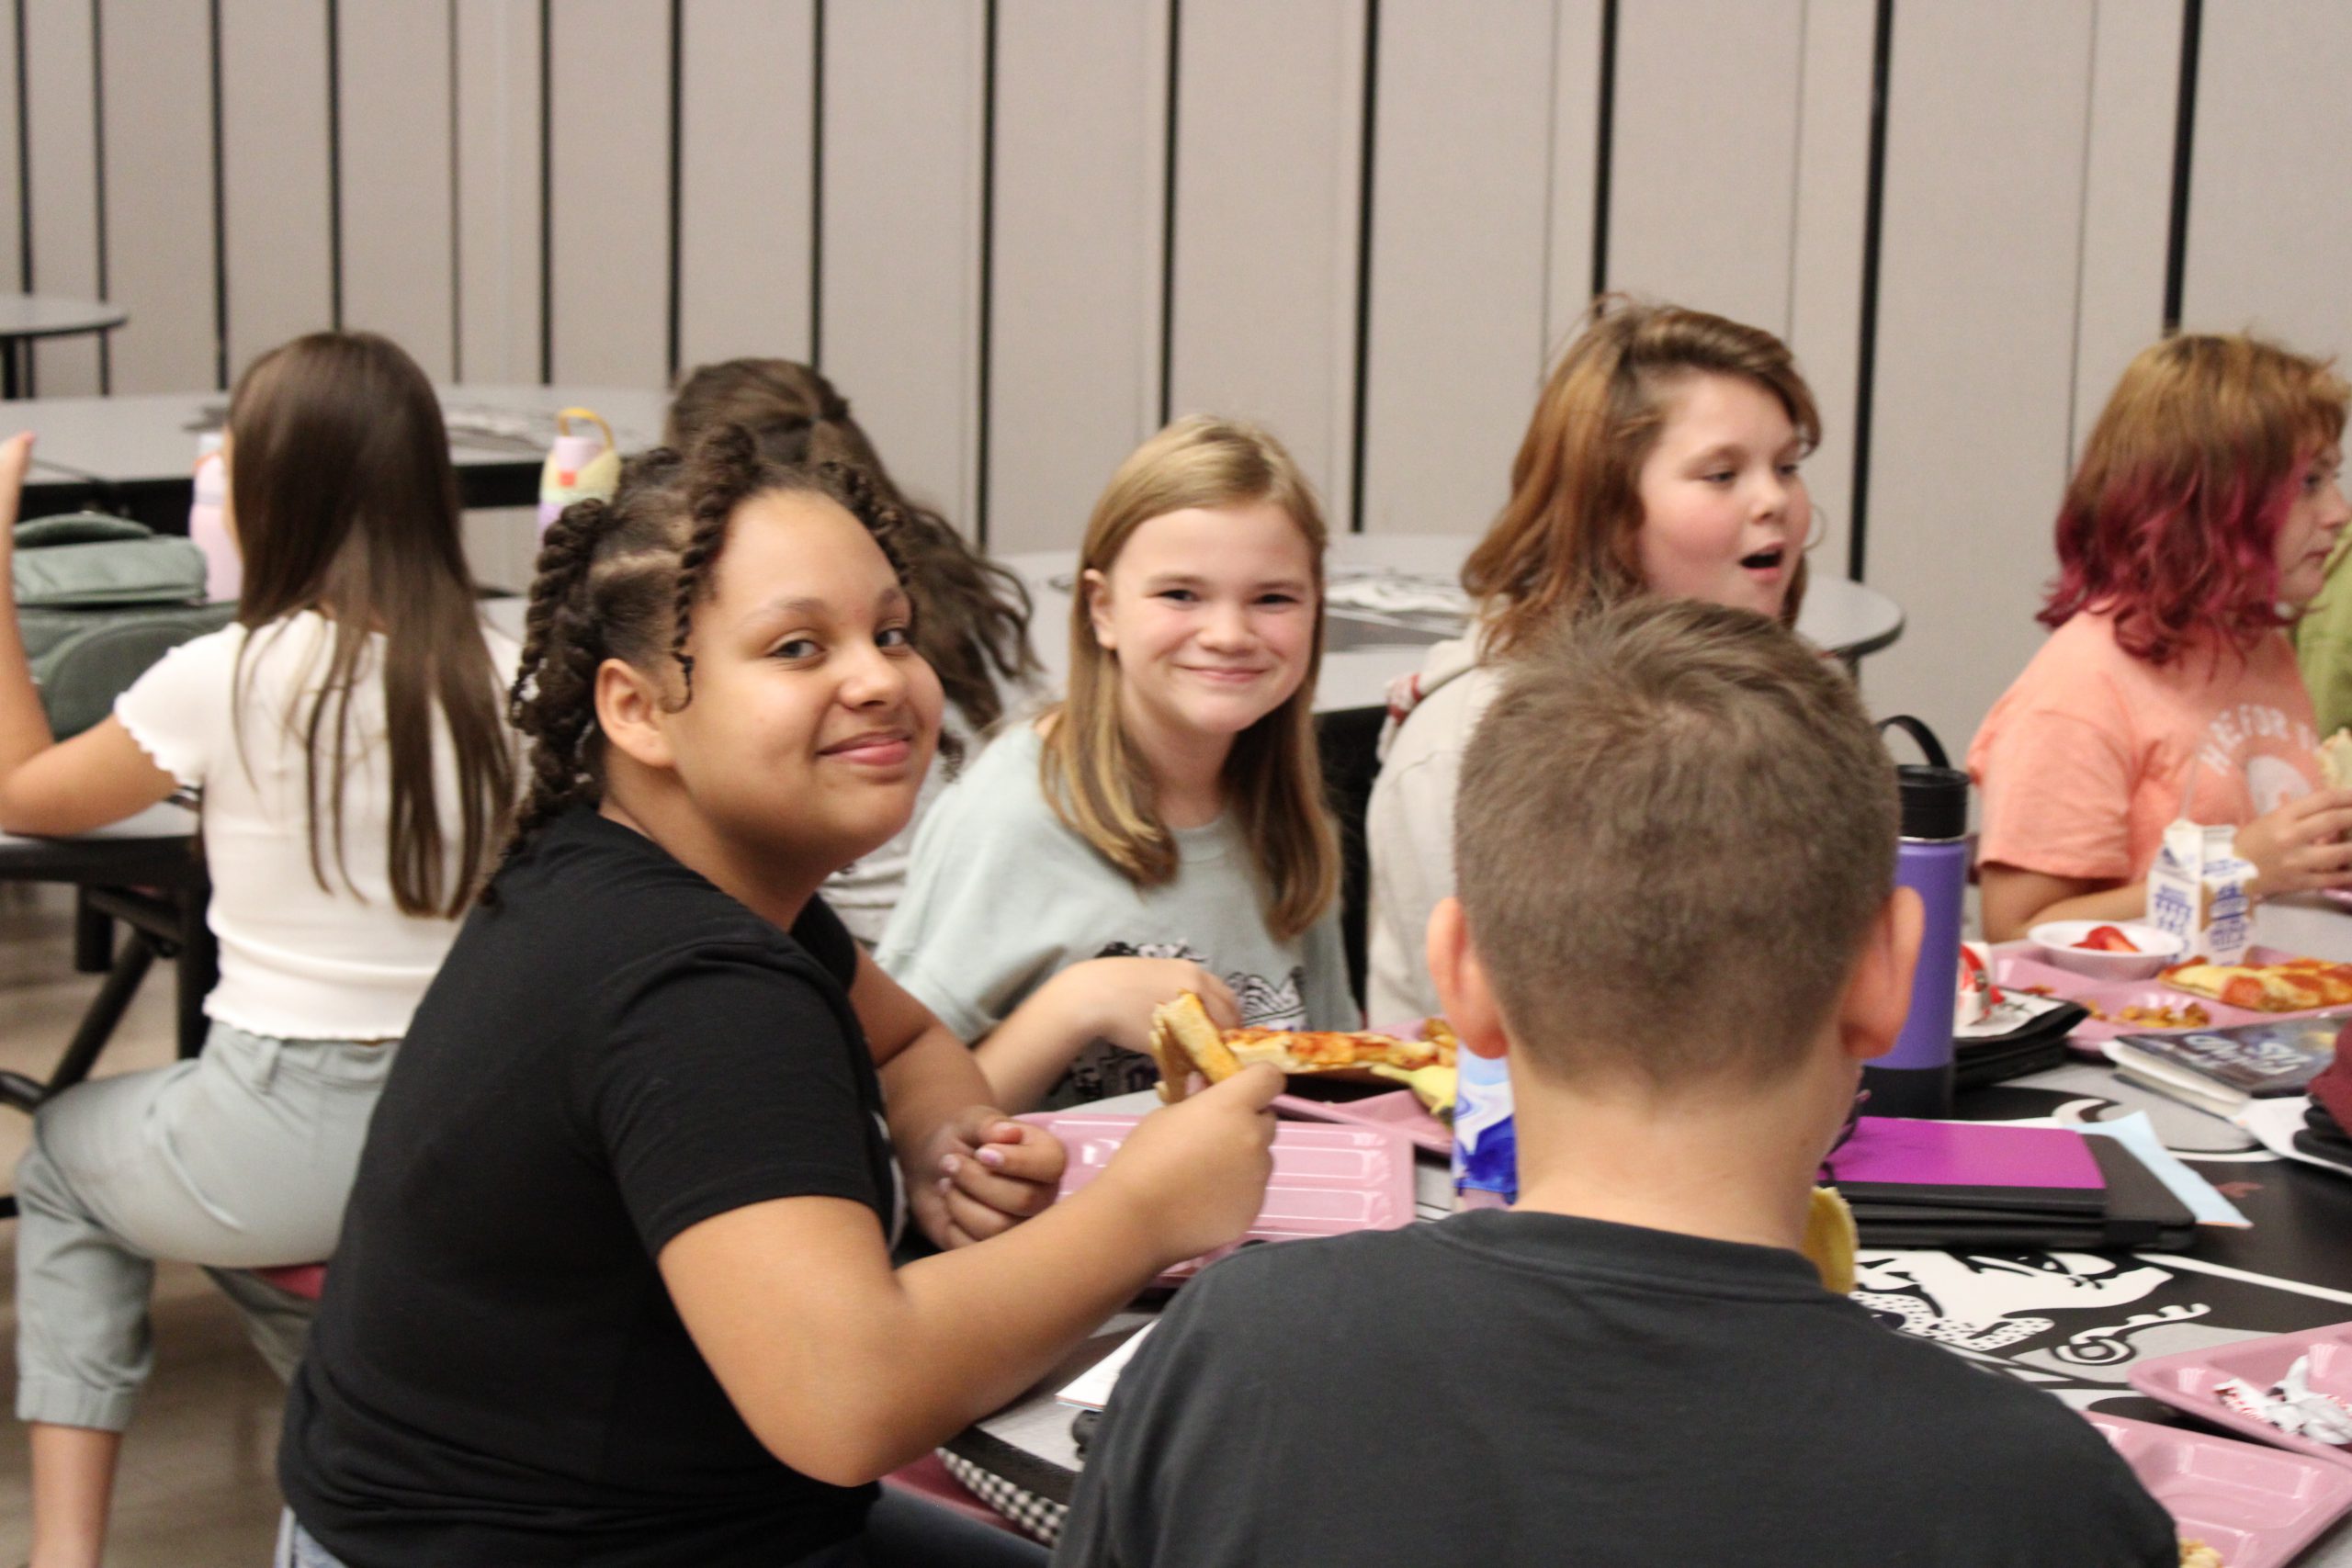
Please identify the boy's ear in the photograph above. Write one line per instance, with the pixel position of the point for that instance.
(630, 711)
(1097, 589)
(1877, 993)
(1463, 989)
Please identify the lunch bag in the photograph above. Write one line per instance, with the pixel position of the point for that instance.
(100, 599)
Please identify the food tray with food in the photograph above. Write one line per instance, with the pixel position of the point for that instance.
(1326, 1180)
(2228, 1384)
(2254, 1507)
(2135, 1006)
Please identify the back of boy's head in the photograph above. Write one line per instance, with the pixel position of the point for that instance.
(621, 579)
(1676, 826)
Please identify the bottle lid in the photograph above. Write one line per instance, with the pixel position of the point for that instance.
(1935, 801)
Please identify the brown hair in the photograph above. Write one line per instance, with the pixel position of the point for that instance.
(620, 579)
(346, 504)
(2171, 522)
(1564, 541)
(1675, 828)
(1274, 777)
(971, 615)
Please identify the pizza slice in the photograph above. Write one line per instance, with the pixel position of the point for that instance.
(2296, 985)
(1184, 1039)
(2335, 760)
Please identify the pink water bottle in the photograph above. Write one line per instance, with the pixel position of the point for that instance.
(208, 525)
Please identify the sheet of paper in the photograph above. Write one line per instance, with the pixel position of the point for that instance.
(1090, 1389)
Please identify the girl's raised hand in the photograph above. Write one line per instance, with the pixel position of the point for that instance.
(1114, 997)
(2300, 845)
(991, 1173)
(1195, 1172)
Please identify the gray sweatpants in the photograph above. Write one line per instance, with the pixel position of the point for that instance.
(242, 1158)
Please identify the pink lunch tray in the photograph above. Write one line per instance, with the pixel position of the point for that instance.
(1399, 1111)
(2015, 972)
(1326, 1180)
(2256, 1506)
(2187, 1381)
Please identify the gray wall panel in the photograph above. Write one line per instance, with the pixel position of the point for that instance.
(1270, 127)
(610, 217)
(274, 128)
(1975, 342)
(2127, 197)
(1702, 204)
(499, 305)
(2269, 231)
(903, 234)
(746, 178)
(64, 157)
(398, 278)
(1075, 374)
(159, 192)
(1458, 275)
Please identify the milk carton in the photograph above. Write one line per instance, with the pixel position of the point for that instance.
(2197, 891)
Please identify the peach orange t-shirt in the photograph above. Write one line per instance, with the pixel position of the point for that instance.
(2083, 760)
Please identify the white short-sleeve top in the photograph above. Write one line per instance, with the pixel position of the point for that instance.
(298, 961)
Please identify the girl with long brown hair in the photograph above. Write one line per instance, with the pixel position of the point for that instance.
(971, 614)
(354, 772)
(1662, 458)
(1172, 805)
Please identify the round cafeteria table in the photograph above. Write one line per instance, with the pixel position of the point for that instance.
(2071, 1322)
(27, 318)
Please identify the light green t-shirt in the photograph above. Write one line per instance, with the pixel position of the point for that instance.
(1001, 897)
(2324, 644)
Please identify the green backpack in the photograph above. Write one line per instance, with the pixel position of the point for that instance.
(100, 599)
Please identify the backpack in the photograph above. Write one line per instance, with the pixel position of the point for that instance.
(100, 599)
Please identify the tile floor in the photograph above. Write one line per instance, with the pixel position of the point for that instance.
(197, 1485)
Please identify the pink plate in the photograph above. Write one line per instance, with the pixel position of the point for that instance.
(2187, 1380)
(1326, 1180)
(2017, 972)
(2254, 1506)
(1398, 1111)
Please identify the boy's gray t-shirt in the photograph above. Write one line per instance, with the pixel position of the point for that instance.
(1003, 895)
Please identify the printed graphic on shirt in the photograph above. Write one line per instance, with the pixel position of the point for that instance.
(2259, 741)
(1103, 1069)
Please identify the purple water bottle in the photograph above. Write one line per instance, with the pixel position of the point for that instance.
(1915, 1077)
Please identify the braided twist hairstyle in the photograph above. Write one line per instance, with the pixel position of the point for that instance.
(620, 579)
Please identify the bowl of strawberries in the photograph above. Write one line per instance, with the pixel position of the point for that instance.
(2107, 950)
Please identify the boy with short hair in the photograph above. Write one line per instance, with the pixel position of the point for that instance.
(1676, 837)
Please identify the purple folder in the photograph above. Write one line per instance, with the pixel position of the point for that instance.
(1974, 1165)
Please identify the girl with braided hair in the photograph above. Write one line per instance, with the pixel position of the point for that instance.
(616, 1285)
(971, 615)
(356, 774)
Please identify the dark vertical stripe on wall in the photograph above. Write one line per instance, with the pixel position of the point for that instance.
(220, 219)
(817, 185)
(988, 274)
(1873, 214)
(1167, 215)
(1370, 134)
(546, 191)
(98, 156)
(2184, 136)
(677, 170)
(1604, 153)
(335, 163)
(24, 158)
(457, 216)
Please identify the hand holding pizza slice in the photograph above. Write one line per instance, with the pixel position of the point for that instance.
(1184, 1041)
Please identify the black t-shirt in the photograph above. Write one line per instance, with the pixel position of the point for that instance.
(1522, 1388)
(615, 1051)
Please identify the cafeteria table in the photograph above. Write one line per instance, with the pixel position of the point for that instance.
(2071, 1322)
(27, 319)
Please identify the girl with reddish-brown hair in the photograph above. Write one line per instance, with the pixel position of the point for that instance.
(1662, 459)
(2196, 526)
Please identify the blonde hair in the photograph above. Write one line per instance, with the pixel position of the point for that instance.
(1566, 540)
(1092, 777)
